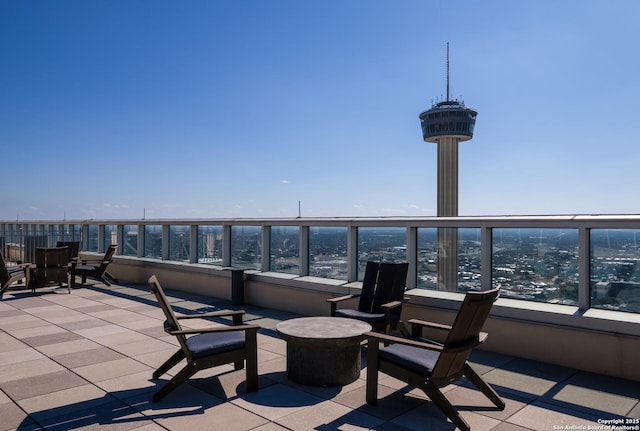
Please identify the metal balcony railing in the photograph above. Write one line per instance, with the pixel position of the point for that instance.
(588, 261)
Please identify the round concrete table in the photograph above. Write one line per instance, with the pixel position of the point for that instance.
(323, 351)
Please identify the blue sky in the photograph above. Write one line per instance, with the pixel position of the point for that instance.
(243, 108)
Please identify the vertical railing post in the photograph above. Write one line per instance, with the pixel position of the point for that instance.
(140, 245)
(193, 243)
(412, 257)
(303, 247)
(584, 267)
(486, 255)
(265, 256)
(120, 238)
(165, 241)
(22, 244)
(352, 253)
(101, 247)
(84, 237)
(226, 245)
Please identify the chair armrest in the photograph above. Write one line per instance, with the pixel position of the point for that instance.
(390, 305)
(342, 298)
(394, 304)
(21, 268)
(94, 262)
(236, 315)
(225, 328)
(431, 325)
(391, 339)
(333, 302)
(212, 314)
(461, 347)
(467, 345)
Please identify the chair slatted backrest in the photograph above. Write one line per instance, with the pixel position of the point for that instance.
(171, 323)
(463, 336)
(4, 273)
(108, 257)
(51, 265)
(74, 247)
(383, 282)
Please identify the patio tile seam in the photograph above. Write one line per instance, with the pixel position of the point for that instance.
(17, 405)
(58, 363)
(71, 370)
(88, 382)
(92, 317)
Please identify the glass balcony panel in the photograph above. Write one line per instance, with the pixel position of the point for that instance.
(130, 239)
(615, 269)
(465, 270)
(246, 247)
(328, 252)
(469, 259)
(110, 236)
(285, 249)
(92, 239)
(179, 242)
(153, 241)
(427, 258)
(10, 232)
(64, 233)
(381, 244)
(55, 235)
(69, 232)
(210, 245)
(30, 238)
(74, 232)
(12, 249)
(536, 264)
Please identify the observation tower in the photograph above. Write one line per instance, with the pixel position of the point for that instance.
(446, 124)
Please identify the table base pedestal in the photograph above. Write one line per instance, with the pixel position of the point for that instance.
(321, 366)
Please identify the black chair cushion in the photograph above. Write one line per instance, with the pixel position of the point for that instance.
(360, 315)
(416, 359)
(87, 268)
(211, 343)
(14, 270)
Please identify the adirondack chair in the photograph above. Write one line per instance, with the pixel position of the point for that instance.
(207, 347)
(51, 268)
(428, 365)
(381, 299)
(10, 275)
(97, 269)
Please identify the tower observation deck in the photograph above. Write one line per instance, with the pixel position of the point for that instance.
(449, 118)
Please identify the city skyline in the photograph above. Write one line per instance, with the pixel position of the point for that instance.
(246, 109)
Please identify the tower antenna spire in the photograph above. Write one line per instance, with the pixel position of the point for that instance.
(447, 71)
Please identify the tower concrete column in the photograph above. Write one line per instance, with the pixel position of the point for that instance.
(447, 176)
(447, 207)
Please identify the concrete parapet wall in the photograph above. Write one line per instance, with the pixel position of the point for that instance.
(599, 341)
(602, 351)
(202, 279)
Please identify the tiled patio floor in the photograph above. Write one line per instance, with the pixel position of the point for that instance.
(84, 361)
